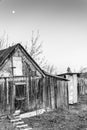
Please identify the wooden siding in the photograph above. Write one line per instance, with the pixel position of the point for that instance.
(27, 66)
(40, 93)
(82, 86)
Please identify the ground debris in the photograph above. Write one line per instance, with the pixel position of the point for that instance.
(5, 124)
(61, 119)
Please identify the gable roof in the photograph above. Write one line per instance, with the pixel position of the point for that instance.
(5, 53)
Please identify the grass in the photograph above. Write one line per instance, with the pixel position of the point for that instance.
(60, 119)
(6, 125)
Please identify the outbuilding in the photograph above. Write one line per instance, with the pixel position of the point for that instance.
(25, 86)
(73, 86)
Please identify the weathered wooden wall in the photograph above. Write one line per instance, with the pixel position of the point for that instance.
(45, 93)
(8, 68)
(55, 93)
(82, 86)
(41, 91)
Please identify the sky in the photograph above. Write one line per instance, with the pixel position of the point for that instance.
(62, 25)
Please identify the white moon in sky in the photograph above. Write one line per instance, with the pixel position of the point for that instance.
(13, 12)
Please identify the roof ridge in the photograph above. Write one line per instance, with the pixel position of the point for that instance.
(6, 53)
(10, 46)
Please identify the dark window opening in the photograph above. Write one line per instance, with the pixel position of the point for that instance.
(20, 91)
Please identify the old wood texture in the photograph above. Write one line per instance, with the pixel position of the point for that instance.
(40, 90)
(56, 94)
(52, 93)
(27, 93)
(44, 93)
(13, 97)
(66, 94)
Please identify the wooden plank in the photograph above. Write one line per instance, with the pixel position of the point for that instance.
(55, 92)
(30, 93)
(40, 92)
(52, 93)
(58, 94)
(27, 92)
(62, 93)
(49, 93)
(12, 97)
(44, 93)
(66, 95)
(3, 96)
(8, 104)
(7, 92)
(35, 94)
(47, 84)
(64, 87)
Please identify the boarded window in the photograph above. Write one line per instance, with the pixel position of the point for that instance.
(17, 64)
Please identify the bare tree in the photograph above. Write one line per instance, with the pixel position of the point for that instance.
(4, 41)
(34, 48)
(69, 70)
(51, 69)
(36, 52)
(83, 71)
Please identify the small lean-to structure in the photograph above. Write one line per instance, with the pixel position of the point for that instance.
(56, 91)
(25, 86)
(73, 86)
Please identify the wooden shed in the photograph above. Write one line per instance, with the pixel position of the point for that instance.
(25, 86)
(73, 86)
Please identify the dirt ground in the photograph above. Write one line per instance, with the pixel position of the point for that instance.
(6, 125)
(74, 118)
(59, 120)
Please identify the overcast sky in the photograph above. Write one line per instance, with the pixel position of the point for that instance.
(62, 25)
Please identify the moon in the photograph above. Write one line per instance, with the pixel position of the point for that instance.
(13, 11)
